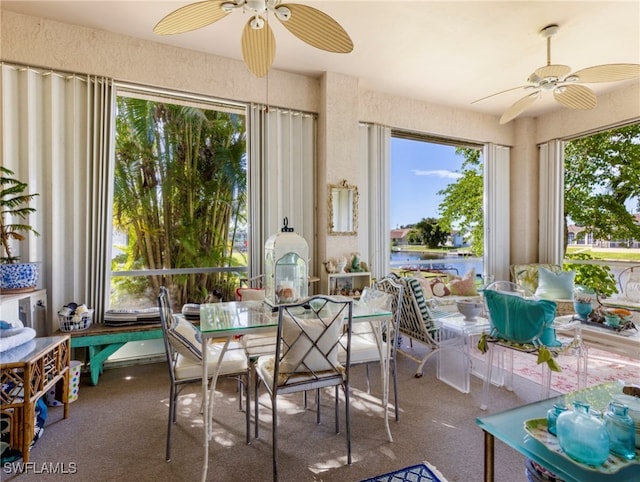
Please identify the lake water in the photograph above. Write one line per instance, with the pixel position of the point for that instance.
(454, 264)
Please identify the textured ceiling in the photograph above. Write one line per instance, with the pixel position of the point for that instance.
(449, 53)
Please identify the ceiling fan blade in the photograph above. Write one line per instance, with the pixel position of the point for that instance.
(317, 29)
(499, 93)
(518, 107)
(190, 17)
(258, 48)
(608, 73)
(552, 71)
(575, 96)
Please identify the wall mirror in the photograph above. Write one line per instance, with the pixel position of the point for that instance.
(343, 209)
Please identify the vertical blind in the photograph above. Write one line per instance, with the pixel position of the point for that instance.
(56, 136)
(282, 151)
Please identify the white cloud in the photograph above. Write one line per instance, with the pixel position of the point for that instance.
(441, 173)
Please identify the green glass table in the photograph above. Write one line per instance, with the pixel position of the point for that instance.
(509, 427)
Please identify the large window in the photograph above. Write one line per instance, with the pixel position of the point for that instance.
(602, 206)
(436, 211)
(179, 200)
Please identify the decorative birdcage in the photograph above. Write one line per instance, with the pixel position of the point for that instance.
(286, 267)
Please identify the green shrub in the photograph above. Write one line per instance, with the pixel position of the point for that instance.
(597, 277)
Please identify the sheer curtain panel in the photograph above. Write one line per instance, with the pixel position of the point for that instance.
(56, 131)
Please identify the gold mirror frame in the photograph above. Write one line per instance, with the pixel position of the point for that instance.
(342, 207)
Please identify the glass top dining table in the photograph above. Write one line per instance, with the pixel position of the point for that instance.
(230, 319)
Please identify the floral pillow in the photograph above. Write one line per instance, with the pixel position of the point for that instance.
(465, 286)
(433, 287)
(526, 275)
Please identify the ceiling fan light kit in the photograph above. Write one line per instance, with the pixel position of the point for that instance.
(567, 87)
(258, 42)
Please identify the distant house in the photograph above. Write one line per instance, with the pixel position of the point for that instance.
(575, 238)
(399, 236)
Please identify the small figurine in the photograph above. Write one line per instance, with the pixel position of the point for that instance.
(330, 266)
(355, 263)
(341, 265)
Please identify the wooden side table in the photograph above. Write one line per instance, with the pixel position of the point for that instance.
(30, 375)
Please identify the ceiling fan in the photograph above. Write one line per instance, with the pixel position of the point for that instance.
(258, 44)
(567, 87)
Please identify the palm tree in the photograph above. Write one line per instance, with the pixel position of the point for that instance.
(180, 183)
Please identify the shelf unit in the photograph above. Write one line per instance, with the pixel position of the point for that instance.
(29, 308)
(348, 284)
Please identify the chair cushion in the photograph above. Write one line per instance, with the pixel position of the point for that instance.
(233, 362)
(517, 319)
(375, 299)
(364, 349)
(414, 285)
(555, 285)
(465, 286)
(301, 345)
(185, 338)
(257, 344)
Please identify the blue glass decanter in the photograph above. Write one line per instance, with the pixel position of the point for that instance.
(621, 429)
(552, 416)
(583, 436)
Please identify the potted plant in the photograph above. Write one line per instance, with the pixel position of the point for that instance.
(15, 277)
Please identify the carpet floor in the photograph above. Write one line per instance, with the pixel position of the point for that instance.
(117, 431)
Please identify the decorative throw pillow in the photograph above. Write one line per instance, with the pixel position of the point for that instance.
(375, 299)
(465, 286)
(299, 332)
(413, 286)
(518, 319)
(526, 275)
(434, 287)
(555, 286)
(185, 338)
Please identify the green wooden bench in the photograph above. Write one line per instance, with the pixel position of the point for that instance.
(103, 341)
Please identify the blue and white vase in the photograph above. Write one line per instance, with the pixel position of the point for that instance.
(19, 277)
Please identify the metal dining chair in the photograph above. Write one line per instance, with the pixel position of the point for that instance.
(306, 358)
(386, 294)
(183, 347)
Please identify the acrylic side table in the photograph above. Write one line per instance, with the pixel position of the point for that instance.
(454, 357)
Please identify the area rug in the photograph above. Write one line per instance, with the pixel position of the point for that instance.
(603, 366)
(423, 472)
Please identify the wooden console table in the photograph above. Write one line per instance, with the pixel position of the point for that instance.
(27, 376)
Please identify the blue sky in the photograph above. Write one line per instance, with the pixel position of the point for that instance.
(418, 171)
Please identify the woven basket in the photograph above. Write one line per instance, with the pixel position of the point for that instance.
(76, 322)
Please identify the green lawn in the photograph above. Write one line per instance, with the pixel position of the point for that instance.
(612, 254)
